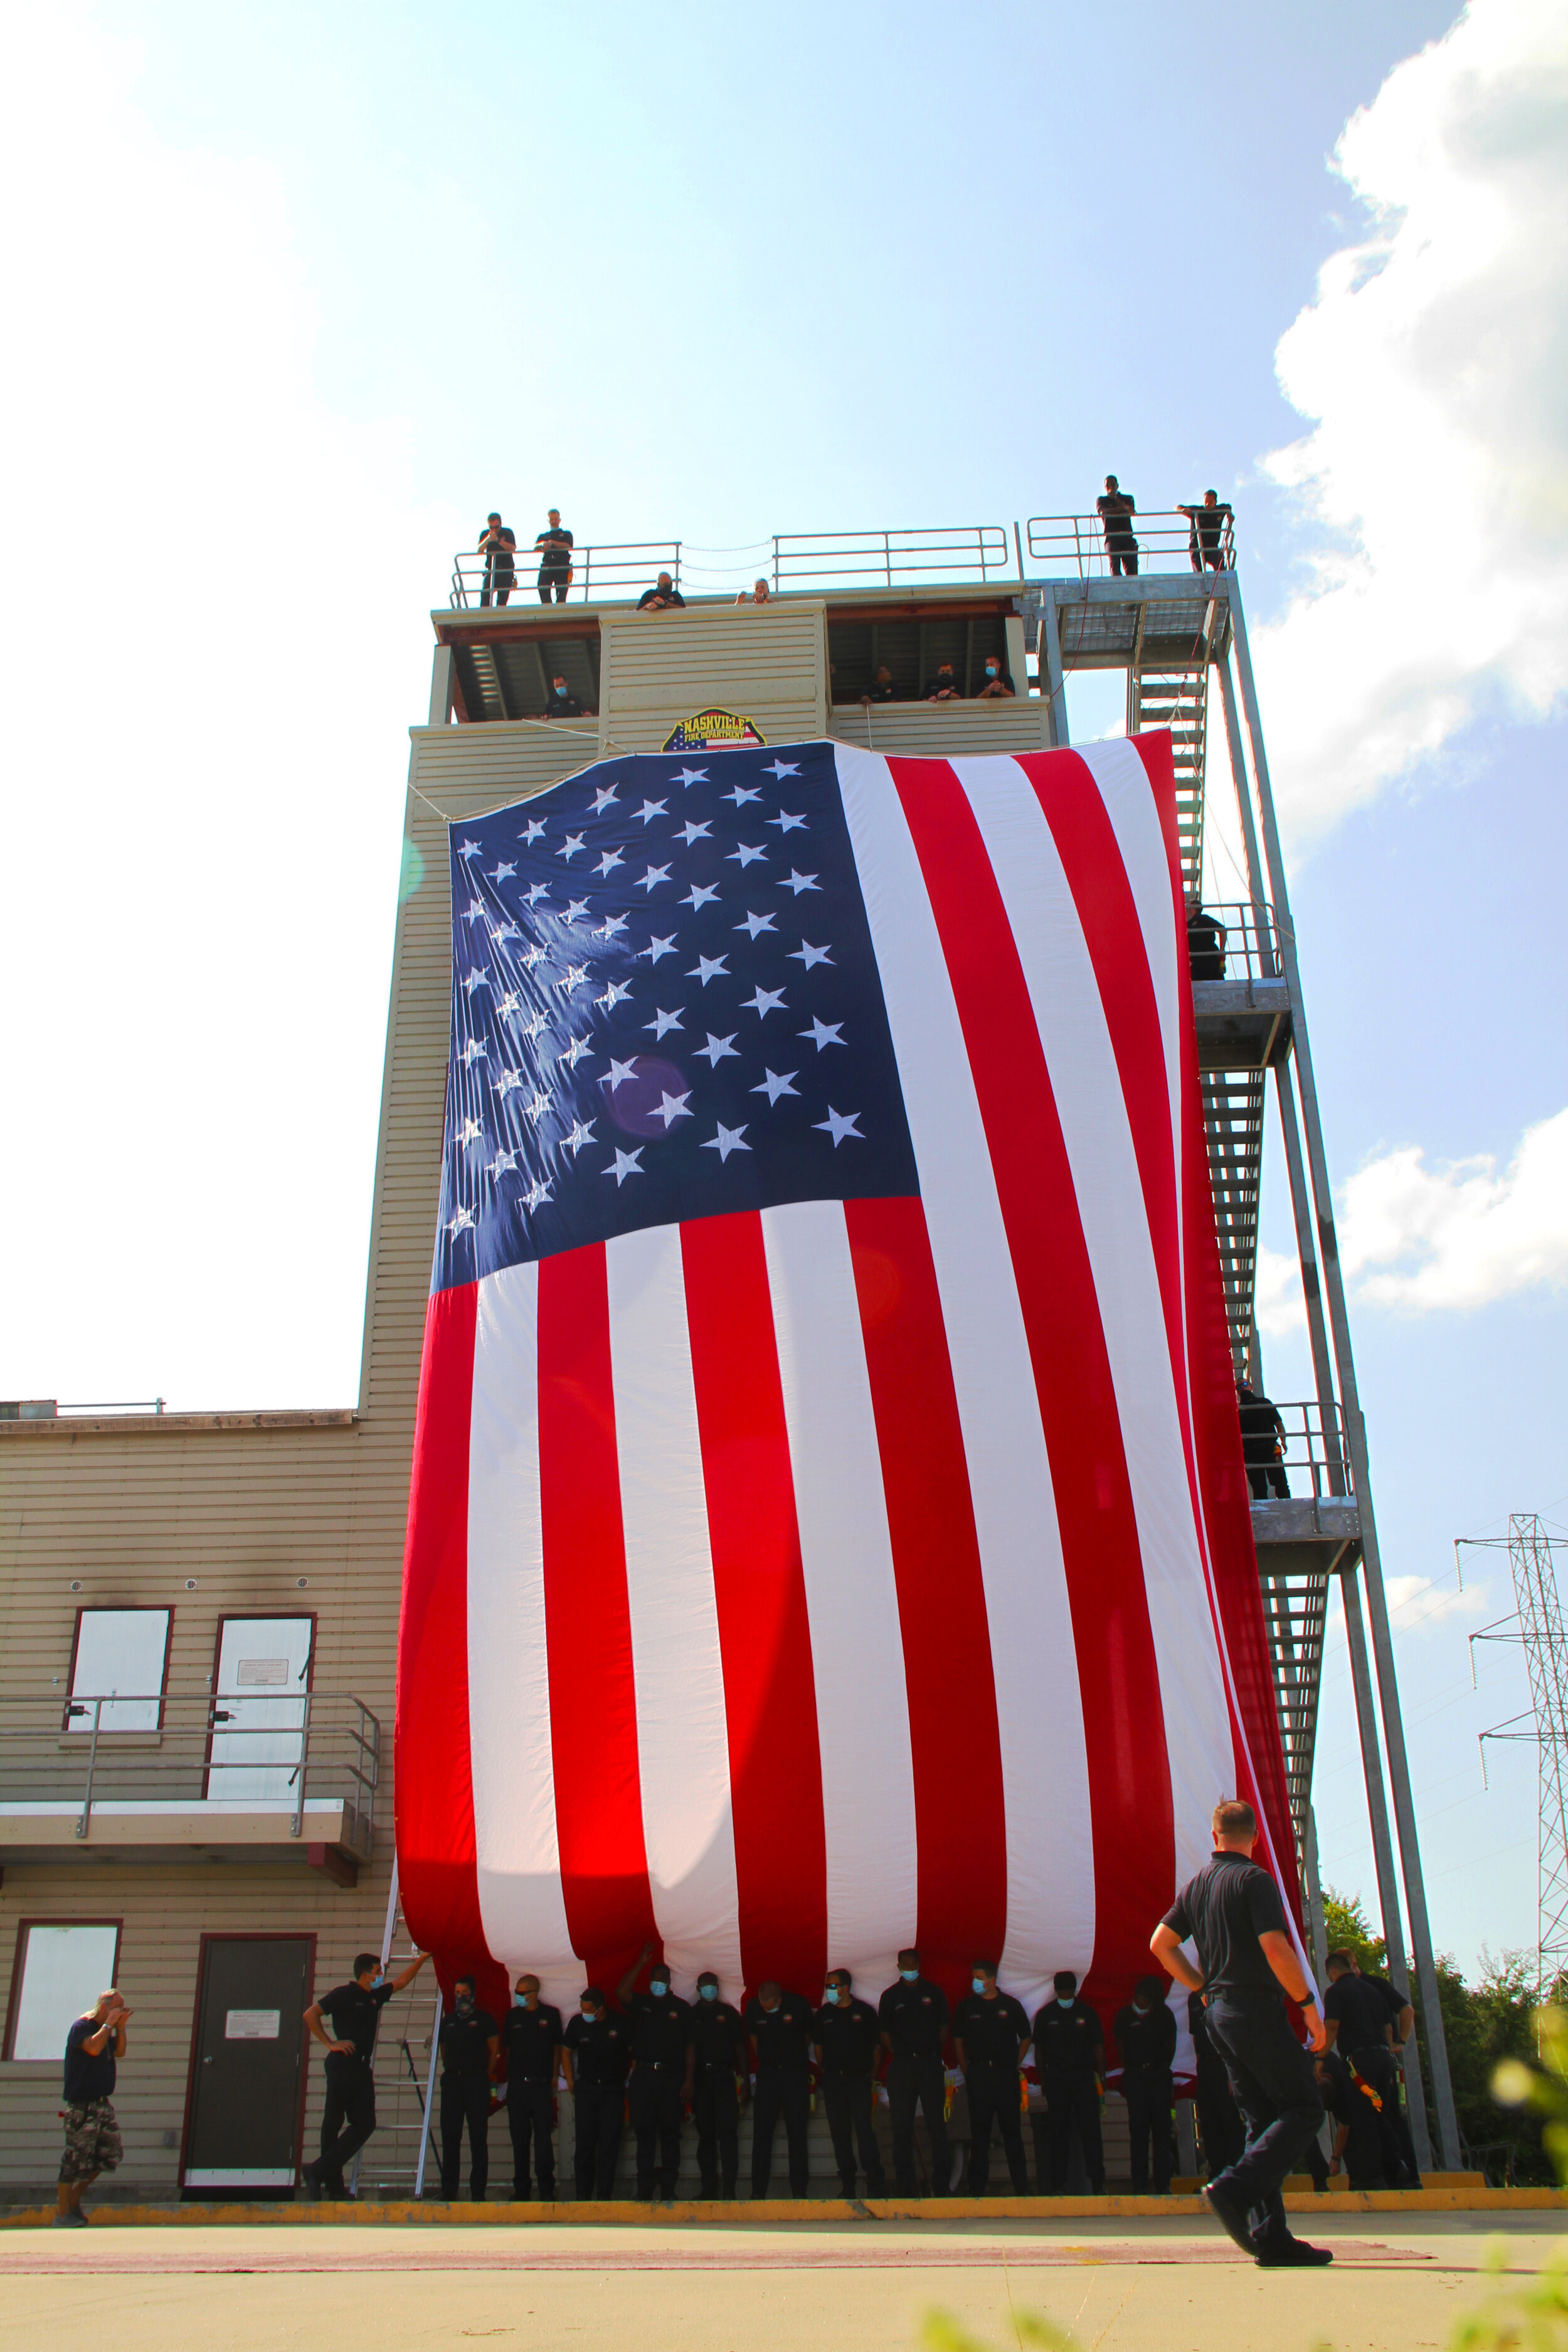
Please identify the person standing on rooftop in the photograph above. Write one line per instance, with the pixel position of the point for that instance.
(498, 545)
(758, 594)
(1206, 546)
(554, 549)
(1116, 509)
(662, 596)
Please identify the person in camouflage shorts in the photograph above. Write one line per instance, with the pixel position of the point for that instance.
(92, 2136)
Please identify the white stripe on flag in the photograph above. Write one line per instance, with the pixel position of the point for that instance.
(1039, 1712)
(683, 1752)
(1091, 1106)
(851, 1593)
(519, 1860)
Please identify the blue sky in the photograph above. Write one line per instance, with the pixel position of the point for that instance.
(307, 291)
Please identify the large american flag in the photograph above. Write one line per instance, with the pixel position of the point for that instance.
(827, 1528)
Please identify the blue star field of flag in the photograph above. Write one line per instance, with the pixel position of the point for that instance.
(665, 1005)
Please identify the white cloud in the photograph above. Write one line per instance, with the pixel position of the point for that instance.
(1417, 1600)
(1277, 1294)
(1435, 480)
(1460, 1235)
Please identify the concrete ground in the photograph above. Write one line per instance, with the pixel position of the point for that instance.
(1119, 2285)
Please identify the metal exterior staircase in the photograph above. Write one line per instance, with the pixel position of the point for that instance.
(1233, 1124)
(1177, 698)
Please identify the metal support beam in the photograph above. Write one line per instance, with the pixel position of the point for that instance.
(1355, 1427)
(441, 687)
(1316, 1925)
(429, 2099)
(1053, 685)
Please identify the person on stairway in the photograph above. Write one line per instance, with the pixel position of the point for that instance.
(1262, 1444)
(1206, 942)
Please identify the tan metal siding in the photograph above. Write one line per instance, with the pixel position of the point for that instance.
(767, 663)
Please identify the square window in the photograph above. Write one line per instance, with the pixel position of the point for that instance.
(61, 1967)
(121, 1655)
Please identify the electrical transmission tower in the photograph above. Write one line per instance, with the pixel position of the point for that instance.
(1537, 1624)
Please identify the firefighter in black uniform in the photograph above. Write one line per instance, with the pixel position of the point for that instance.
(1356, 2021)
(1069, 2054)
(1262, 1443)
(780, 2025)
(1206, 942)
(597, 2052)
(1357, 2146)
(718, 2085)
(848, 2043)
(470, 2051)
(1146, 2036)
(913, 2015)
(348, 2117)
(992, 2033)
(531, 2036)
(660, 2084)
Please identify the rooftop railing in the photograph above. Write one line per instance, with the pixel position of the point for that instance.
(1174, 541)
(1248, 948)
(596, 573)
(253, 1751)
(885, 559)
(1314, 1462)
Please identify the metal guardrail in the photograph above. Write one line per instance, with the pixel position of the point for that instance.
(1171, 540)
(882, 558)
(263, 1750)
(1315, 1459)
(1249, 947)
(597, 572)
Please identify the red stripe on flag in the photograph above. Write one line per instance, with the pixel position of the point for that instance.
(587, 1621)
(438, 1877)
(956, 1749)
(764, 1630)
(1129, 1780)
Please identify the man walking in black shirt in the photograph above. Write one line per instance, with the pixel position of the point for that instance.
(93, 2145)
(718, 2086)
(661, 2079)
(531, 2036)
(471, 2049)
(1069, 2058)
(849, 2042)
(780, 2025)
(913, 2017)
(990, 2031)
(1146, 2037)
(1246, 1964)
(348, 2117)
(1356, 2018)
(597, 2050)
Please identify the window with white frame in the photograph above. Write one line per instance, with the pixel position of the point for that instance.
(62, 1965)
(117, 1675)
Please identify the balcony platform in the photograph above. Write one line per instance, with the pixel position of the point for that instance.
(1242, 1025)
(1306, 1536)
(333, 1837)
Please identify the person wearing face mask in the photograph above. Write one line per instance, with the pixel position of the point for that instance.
(470, 2053)
(780, 2025)
(944, 686)
(848, 2037)
(1146, 2036)
(913, 2013)
(597, 2052)
(720, 2065)
(563, 703)
(1070, 2051)
(348, 2117)
(990, 2031)
(662, 2078)
(998, 685)
(531, 2036)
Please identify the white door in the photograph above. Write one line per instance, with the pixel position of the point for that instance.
(258, 1709)
(119, 1651)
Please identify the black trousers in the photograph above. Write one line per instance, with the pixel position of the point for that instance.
(994, 2098)
(789, 2096)
(1401, 2127)
(848, 2099)
(598, 2110)
(348, 2117)
(1123, 554)
(1273, 2083)
(653, 2096)
(913, 2082)
(499, 581)
(1220, 2128)
(1150, 2096)
(715, 2106)
(465, 2099)
(1072, 2103)
(559, 581)
(530, 2117)
(1377, 2068)
(1267, 1478)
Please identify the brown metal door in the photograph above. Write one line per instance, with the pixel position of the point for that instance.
(243, 2136)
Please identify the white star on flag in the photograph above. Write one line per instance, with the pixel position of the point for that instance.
(799, 882)
(537, 890)
(772, 1085)
(607, 864)
(580, 1135)
(787, 823)
(537, 1106)
(744, 854)
(612, 996)
(574, 844)
(698, 896)
(618, 1071)
(576, 910)
(692, 776)
(576, 973)
(462, 1223)
(626, 1163)
(716, 1048)
(476, 980)
(689, 832)
(781, 768)
(764, 1001)
(654, 876)
(728, 1139)
(575, 1052)
(534, 956)
(502, 873)
(470, 849)
(535, 830)
(663, 1022)
(537, 1192)
(657, 948)
(673, 1107)
(507, 1004)
(473, 1052)
(603, 798)
(709, 968)
(476, 908)
(823, 1032)
(741, 795)
(649, 810)
(808, 955)
(608, 929)
(498, 1166)
(469, 1132)
(755, 923)
(507, 1079)
(838, 1125)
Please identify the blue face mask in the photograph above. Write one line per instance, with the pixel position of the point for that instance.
(1065, 1999)
(834, 1994)
(378, 1979)
(979, 1983)
(658, 1987)
(709, 1992)
(991, 669)
(910, 1976)
(561, 690)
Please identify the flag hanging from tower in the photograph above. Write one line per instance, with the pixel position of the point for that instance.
(827, 1529)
